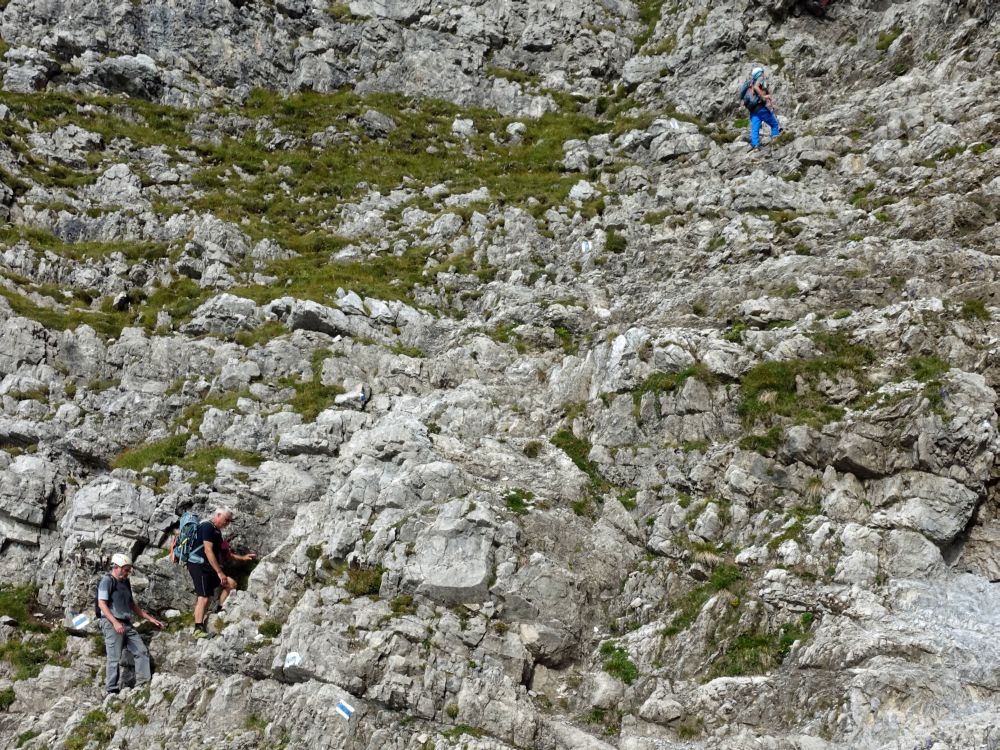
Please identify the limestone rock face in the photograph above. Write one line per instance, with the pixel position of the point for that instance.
(551, 416)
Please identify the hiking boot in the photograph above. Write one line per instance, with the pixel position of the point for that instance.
(202, 634)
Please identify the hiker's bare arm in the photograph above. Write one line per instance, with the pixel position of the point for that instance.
(106, 611)
(224, 580)
(763, 94)
(140, 612)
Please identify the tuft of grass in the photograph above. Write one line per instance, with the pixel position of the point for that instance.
(364, 581)
(95, 729)
(517, 500)
(617, 662)
(510, 74)
(171, 451)
(16, 603)
(928, 368)
(133, 717)
(615, 242)
(578, 451)
(886, 38)
(668, 382)
(25, 737)
(766, 444)
(975, 309)
(759, 652)
(459, 729)
(723, 577)
(649, 16)
(269, 628)
(342, 12)
(403, 605)
(771, 389)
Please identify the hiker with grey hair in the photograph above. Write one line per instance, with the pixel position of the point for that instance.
(115, 609)
(208, 574)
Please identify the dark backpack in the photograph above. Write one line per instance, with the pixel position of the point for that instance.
(186, 547)
(749, 97)
(111, 590)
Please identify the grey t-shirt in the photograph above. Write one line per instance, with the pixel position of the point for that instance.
(118, 595)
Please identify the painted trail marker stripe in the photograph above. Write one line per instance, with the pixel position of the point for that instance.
(81, 621)
(345, 709)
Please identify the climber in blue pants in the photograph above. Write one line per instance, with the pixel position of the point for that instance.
(757, 99)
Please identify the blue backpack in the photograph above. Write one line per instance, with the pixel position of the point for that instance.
(749, 98)
(186, 547)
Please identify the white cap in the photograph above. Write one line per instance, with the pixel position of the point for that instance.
(121, 560)
(757, 72)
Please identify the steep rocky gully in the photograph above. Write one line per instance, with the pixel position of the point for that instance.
(558, 420)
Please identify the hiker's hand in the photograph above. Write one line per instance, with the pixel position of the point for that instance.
(228, 583)
(156, 622)
(119, 628)
(251, 555)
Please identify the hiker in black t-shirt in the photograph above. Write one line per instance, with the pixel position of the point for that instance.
(115, 609)
(207, 576)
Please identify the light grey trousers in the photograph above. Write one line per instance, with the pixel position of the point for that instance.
(115, 644)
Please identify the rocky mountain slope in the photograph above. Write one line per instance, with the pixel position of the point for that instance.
(558, 420)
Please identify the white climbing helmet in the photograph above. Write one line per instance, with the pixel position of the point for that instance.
(756, 73)
(121, 561)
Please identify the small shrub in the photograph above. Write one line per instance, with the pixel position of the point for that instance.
(7, 697)
(451, 710)
(532, 448)
(25, 737)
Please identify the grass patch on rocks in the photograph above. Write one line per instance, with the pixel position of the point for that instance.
(519, 500)
(578, 451)
(759, 652)
(364, 581)
(786, 388)
(617, 663)
(96, 730)
(171, 451)
(723, 577)
(667, 382)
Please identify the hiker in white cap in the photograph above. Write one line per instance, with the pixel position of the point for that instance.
(115, 610)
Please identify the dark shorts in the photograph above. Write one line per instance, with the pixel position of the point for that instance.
(205, 580)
